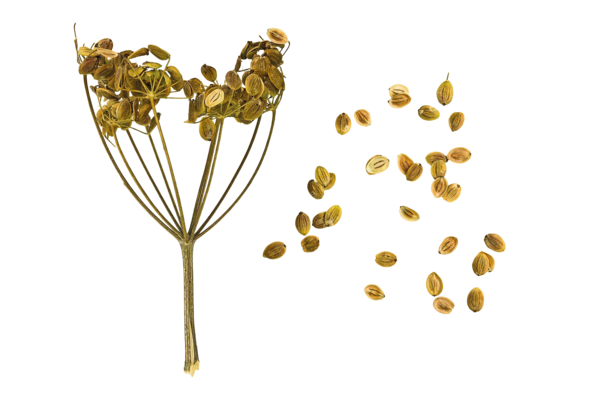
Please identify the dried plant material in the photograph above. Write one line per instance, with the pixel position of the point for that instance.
(445, 92)
(414, 172)
(107, 53)
(233, 80)
(319, 221)
(158, 52)
(322, 176)
(254, 85)
(276, 77)
(459, 155)
(409, 214)
(443, 305)
(439, 187)
(331, 181)
(362, 117)
(274, 251)
(452, 193)
(435, 156)
(492, 262)
(208, 72)
(374, 292)
(434, 284)
(448, 245)
(138, 53)
(88, 66)
(343, 124)
(438, 169)
(475, 300)
(494, 242)
(404, 163)
(310, 244)
(277, 36)
(456, 121)
(207, 128)
(385, 259)
(428, 113)
(399, 101)
(481, 263)
(214, 98)
(303, 224)
(315, 189)
(197, 85)
(377, 164)
(333, 215)
(398, 89)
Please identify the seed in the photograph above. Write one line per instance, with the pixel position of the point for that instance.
(481, 263)
(303, 223)
(433, 157)
(494, 242)
(151, 64)
(331, 181)
(319, 221)
(188, 90)
(274, 251)
(456, 121)
(315, 189)
(409, 214)
(399, 101)
(398, 89)
(233, 80)
(385, 259)
(459, 155)
(445, 92)
(428, 113)
(310, 244)
(105, 44)
(443, 305)
(448, 245)
(214, 98)
(374, 292)
(88, 66)
(207, 129)
(107, 53)
(492, 262)
(254, 85)
(260, 64)
(404, 163)
(277, 36)
(438, 169)
(414, 172)
(158, 52)
(343, 124)
(377, 164)
(322, 176)
(197, 85)
(274, 56)
(333, 215)
(475, 300)
(276, 77)
(434, 284)
(439, 187)
(254, 109)
(124, 110)
(138, 53)
(209, 73)
(362, 117)
(452, 193)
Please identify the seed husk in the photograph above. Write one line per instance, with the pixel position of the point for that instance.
(277, 36)
(445, 92)
(434, 156)
(385, 259)
(214, 98)
(481, 263)
(443, 305)
(303, 223)
(456, 121)
(254, 85)
(459, 155)
(362, 117)
(88, 66)
(434, 284)
(398, 89)
(315, 189)
(331, 181)
(319, 221)
(414, 172)
(409, 214)
(107, 53)
(343, 124)
(399, 100)
(158, 52)
(475, 300)
(439, 187)
(374, 292)
(428, 113)
(438, 169)
(310, 244)
(233, 80)
(197, 85)
(274, 251)
(448, 245)
(404, 163)
(209, 73)
(207, 129)
(492, 262)
(494, 242)
(377, 164)
(452, 193)
(322, 176)
(333, 215)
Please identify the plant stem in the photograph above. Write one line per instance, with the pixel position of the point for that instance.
(162, 171)
(192, 364)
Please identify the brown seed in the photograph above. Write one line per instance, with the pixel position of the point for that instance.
(277, 36)
(276, 77)
(322, 176)
(138, 53)
(459, 155)
(481, 263)
(439, 187)
(188, 90)
(475, 300)
(438, 169)
(319, 221)
(310, 244)
(233, 80)
(374, 292)
(333, 215)
(207, 129)
(409, 214)
(343, 124)
(158, 52)
(303, 224)
(398, 89)
(254, 85)
(448, 245)
(456, 121)
(494, 242)
(399, 101)
(274, 251)
(443, 305)
(385, 259)
(377, 164)
(492, 262)
(434, 156)
(209, 73)
(404, 163)
(88, 66)
(315, 189)
(107, 53)
(428, 113)
(445, 92)
(434, 284)
(362, 117)
(197, 85)
(452, 193)
(331, 181)
(414, 172)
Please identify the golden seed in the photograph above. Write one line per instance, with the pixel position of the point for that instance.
(377, 164)
(404, 163)
(214, 98)
(88, 66)
(445, 92)
(475, 300)
(428, 113)
(481, 263)
(434, 156)
(107, 53)
(443, 305)
(374, 292)
(438, 169)
(343, 124)
(158, 52)
(188, 90)
(233, 80)
(414, 172)
(452, 193)
(494, 242)
(197, 85)
(125, 110)
(439, 187)
(434, 284)
(138, 53)
(459, 155)
(492, 262)
(274, 251)
(277, 36)
(456, 121)
(362, 117)
(151, 64)
(310, 244)
(409, 214)
(276, 77)
(207, 129)
(385, 259)
(319, 221)
(399, 101)
(331, 181)
(315, 189)
(303, 224)
(254, 85)
(398, 89)
(448, 245)
(333, 215)
(322, 176)
(209, 73)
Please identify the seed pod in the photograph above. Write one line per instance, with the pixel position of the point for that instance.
(150, 64)
(254, 109)
(456, 121)
(271, 89)
(238, 64)
(274, 56)
(207, 128)
(310, 244)
(385, 259)
(88, 66)
(343, 124)
(377, 164)
(433, 157)
(399, 100)
(244, 52)
(414, 172)
(452, 193)
(276, 77)
(138, 53)
(374, 292)
(260, 64)
(439, 187)
(274, 251)
(315, 189)
(105, 44)
(475, 300)
(277, 36)
(438, 169)
(209, 73)
(362, 117)
(322, 176)
(199, 105)
(107, 94)
(197, 85)
(333, 215)
(481, 264)
(158, 52)
(409, 214)
(152, 123)
(331, 181)
(445, 92)
(434, 284)
(404, 163)
(448, 245)
(459, 155)
(214, 98)
(428, 113)
(319, 221)
(494, 242)
(174, 73)
(398, 89)
(443, 305)
(232, 79)
(188, 90)
(254, 85)
(303, 223)
(124, 110)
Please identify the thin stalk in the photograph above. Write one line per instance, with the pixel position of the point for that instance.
(162, 171)
(192, 364)
(212, 171)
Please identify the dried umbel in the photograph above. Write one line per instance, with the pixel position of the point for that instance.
(443, 305)
(397, 90)
(333, 215)
(385, 259)
(374, 292)
(274, 251)
(439, 187)
(362, 117)
(404, 163)
(448, 245)
(414, 172)
(452, 193)
(409, 214)
(399, 101)
(475, 300)
(494, 242)
(303, 224)
(428, 113)
(434, 284)
(377, 164)
(331, 181)
(445, 92)
(343, 124)
(456, 121)
(438, 169)
(319, 221)
(310, 244)
(435, 156)
(322, 176)
(315, 189)
(459, 155)
(483, 263)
